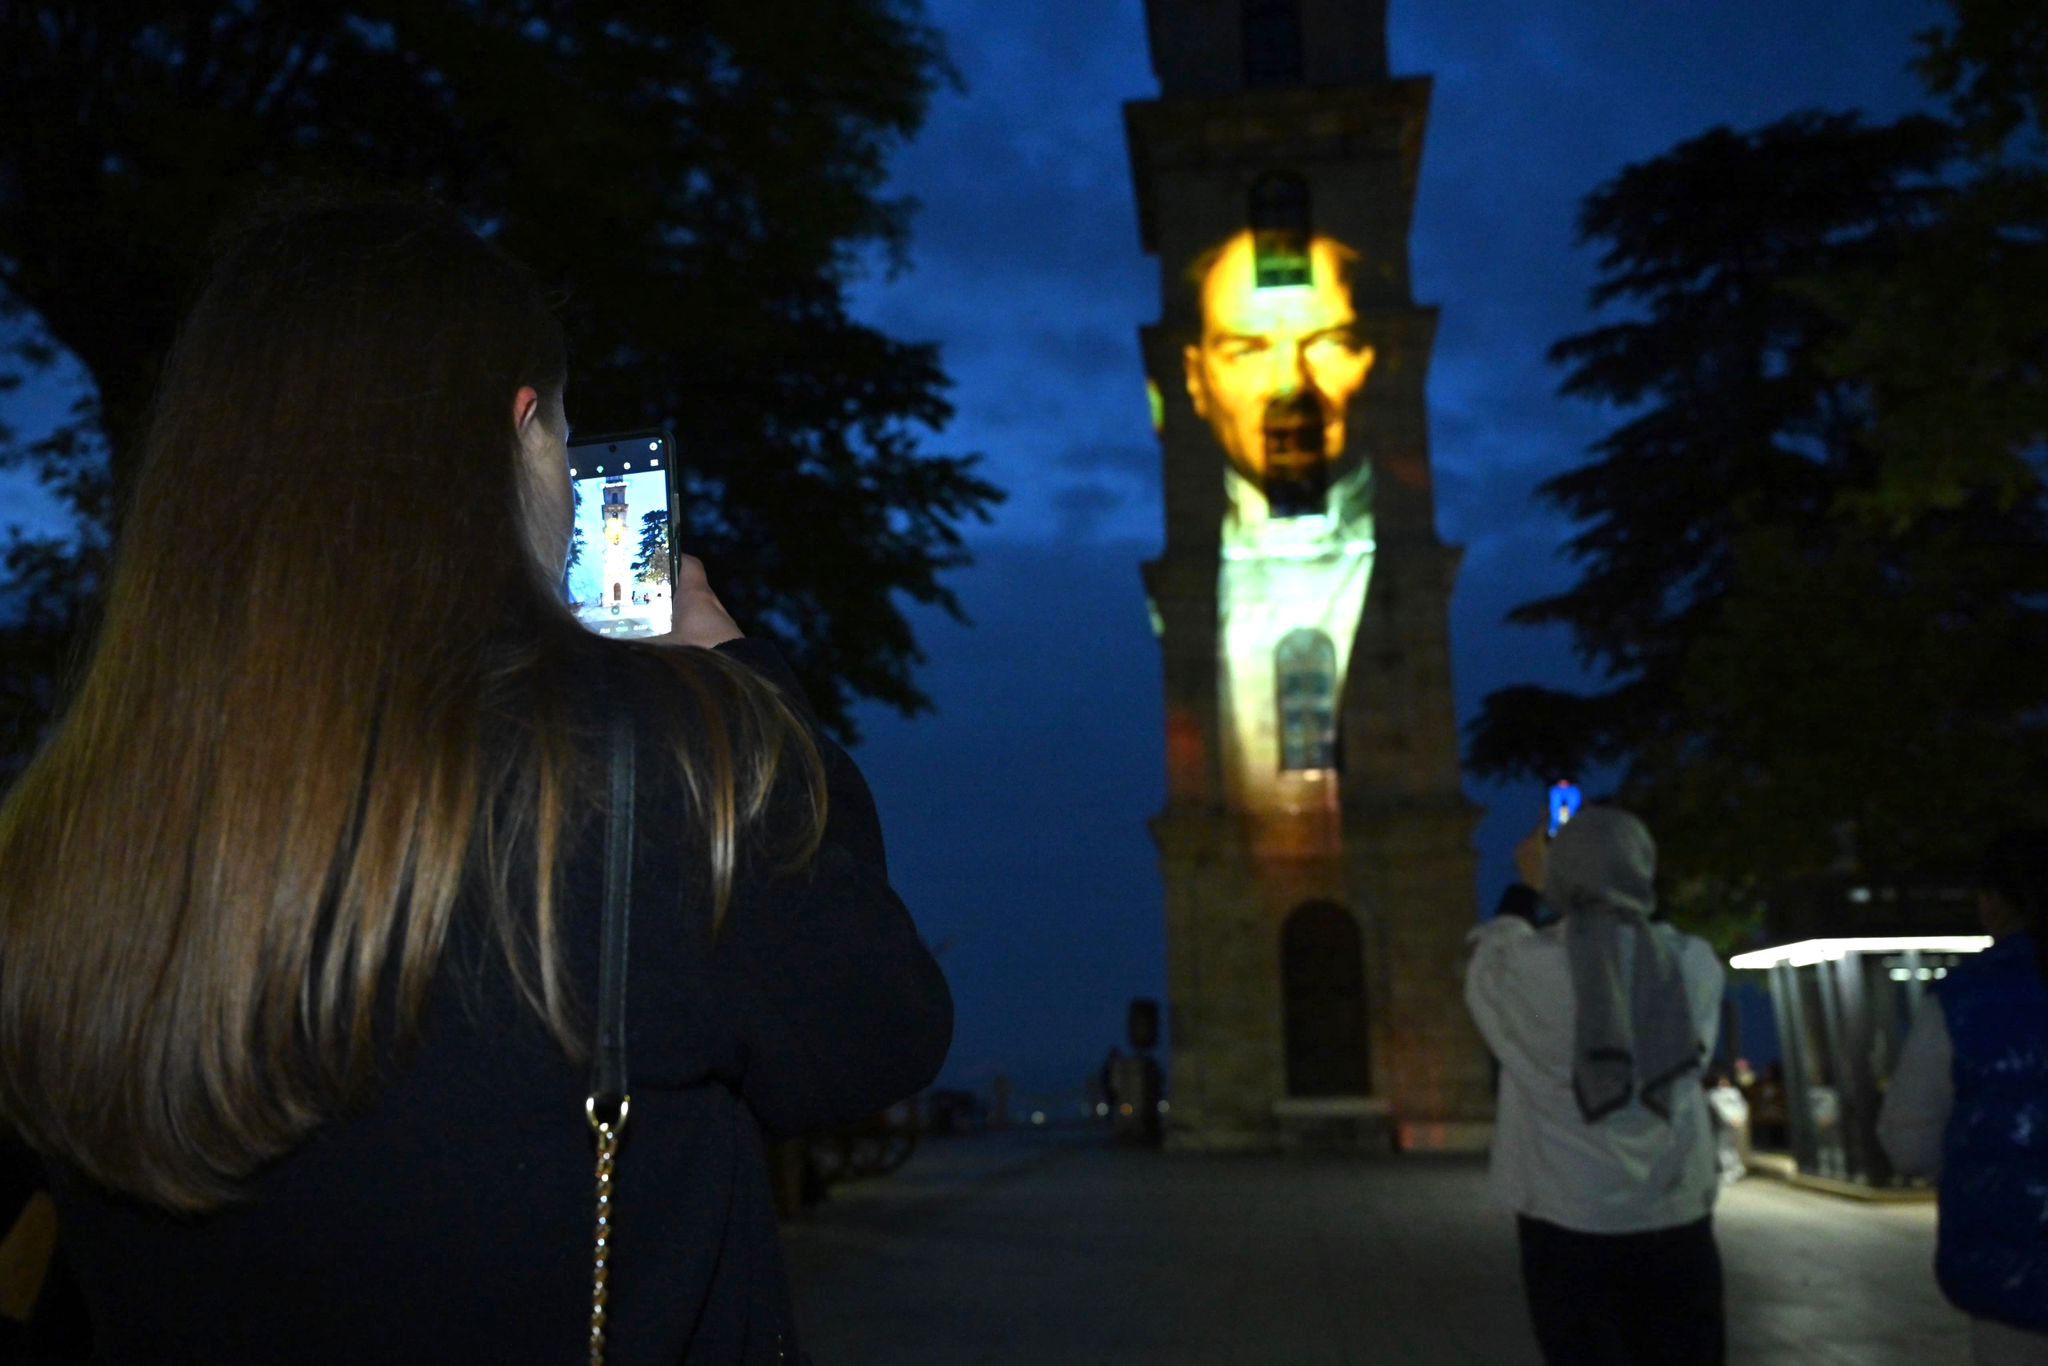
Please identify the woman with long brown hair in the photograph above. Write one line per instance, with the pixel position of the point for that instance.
(299, 900)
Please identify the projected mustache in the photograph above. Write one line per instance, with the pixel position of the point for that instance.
(1297, 477)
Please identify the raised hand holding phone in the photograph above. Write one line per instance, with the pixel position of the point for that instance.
(700, 618)
(1532, 859)
(1565, 799)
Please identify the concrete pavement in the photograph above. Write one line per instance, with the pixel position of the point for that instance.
(1050, 1247)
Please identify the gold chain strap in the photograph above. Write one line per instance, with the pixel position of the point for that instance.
(601, 1266)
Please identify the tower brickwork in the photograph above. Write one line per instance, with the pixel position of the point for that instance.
(1315, 844)
(616, 546)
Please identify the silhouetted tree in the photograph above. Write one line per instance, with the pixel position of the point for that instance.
(1823, 627)
(700, 181)
(575, 555)
(650, 565)
(1952, 334)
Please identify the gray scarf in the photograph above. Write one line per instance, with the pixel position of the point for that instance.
(1633, 1036)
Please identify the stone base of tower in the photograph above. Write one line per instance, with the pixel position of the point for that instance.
(1315, 985)
(1211, 1140)
(1334, 1124)
(1445, 1136)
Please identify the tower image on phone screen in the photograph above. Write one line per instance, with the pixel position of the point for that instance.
(617, 577)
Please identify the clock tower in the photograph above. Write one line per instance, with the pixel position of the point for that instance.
(615, 547)
(1316, 844)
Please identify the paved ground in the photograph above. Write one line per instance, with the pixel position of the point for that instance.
(1043, 1247)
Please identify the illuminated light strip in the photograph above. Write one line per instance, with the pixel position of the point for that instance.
(1311, 551)
(1809, 951)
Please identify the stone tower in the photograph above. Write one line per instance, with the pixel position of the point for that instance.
(616, 549)
(1316, 844)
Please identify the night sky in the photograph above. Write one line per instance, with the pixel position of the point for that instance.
(1017, 813)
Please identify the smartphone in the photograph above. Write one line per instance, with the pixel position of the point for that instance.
(1565, 800)
(621, 561)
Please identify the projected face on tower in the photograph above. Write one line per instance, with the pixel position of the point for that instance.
(1278, 363)
(1274, 373)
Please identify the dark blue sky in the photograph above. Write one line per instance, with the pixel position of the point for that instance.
(1017, 813)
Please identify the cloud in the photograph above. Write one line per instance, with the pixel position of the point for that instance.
(1088, 350)
(1138, 460)
(1083, 507)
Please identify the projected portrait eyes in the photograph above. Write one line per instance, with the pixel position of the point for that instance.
(1279, 361)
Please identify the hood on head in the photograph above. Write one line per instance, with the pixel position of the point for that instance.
(1603, 857)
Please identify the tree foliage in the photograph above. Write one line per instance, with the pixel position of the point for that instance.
(1991, 64)
(574, 556)
(1952, 337)
(700, 182)
(650, 564)
(1813, 551)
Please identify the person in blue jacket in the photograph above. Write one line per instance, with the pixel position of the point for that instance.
(1969, 1103)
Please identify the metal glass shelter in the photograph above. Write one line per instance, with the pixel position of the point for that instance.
(1842, 1008)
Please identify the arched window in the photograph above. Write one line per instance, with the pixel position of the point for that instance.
(1322, 988)
(1272, 42)
(1305, 685)
(1278, 216)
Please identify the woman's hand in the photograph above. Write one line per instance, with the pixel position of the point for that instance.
(1532, 857)
(700, 618)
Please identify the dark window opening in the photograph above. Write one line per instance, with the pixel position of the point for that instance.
(1322, 984)
(1279, 220)
(1305, 685)
(1272, 42)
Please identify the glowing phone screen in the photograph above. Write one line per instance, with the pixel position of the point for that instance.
(619, 567)
(1564, 804)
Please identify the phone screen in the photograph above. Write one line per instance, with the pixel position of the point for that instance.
(1564, 804)
(620, 564)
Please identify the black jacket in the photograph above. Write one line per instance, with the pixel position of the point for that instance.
(451, 1220)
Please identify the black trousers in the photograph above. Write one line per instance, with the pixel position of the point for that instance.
(1624, 1299)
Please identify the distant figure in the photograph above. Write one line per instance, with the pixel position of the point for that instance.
(1730, 1115)
(1110, 1095)
(1134, 1114)
(1092, 1096)
(1769, 1110)
(1824, 1121)
(1969, 1102)
(1602, 1146)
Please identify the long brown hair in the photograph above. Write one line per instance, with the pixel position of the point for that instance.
(332, 690)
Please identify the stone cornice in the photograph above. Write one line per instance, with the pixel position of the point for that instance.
(1263, 128)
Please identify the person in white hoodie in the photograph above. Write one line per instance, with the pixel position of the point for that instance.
(1602, 1143)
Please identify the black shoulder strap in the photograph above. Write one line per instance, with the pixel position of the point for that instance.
(608, 1061)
